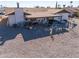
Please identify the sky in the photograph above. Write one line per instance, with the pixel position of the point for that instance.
(37, 3)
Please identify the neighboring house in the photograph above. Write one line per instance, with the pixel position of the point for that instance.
(2, 13)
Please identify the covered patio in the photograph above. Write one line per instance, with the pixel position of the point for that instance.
(42, 19)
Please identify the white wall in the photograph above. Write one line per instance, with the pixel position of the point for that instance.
(11, 20)
(64, 16)
(19, 15)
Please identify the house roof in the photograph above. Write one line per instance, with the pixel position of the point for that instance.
(38, 15)
(40, 12)
(9, 10)
(34, 12)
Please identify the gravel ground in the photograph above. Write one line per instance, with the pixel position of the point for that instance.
(64, 45)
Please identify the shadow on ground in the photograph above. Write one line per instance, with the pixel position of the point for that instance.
(8, 33)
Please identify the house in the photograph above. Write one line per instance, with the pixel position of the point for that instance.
(41, 15)
(19, 16)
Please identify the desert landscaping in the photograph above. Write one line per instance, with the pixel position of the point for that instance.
(64, 44)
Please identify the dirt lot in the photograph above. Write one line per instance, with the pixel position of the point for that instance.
(63, 45)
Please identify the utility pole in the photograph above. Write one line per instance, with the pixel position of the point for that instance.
(56, 5)
(17, 4)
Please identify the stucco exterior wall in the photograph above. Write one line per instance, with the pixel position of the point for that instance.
(64, 16)
(16, 18)
(11, 20)
(19, 15)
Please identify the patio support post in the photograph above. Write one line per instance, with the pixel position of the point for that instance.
(60, 18)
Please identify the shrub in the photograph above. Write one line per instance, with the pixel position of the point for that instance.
(77, 14)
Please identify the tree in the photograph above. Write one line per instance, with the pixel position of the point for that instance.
(64, 6)
(59, 6)
(42, 7)
(48, 7)
(71, 3)
(68, 6)
(77, 14)
(36, 6)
